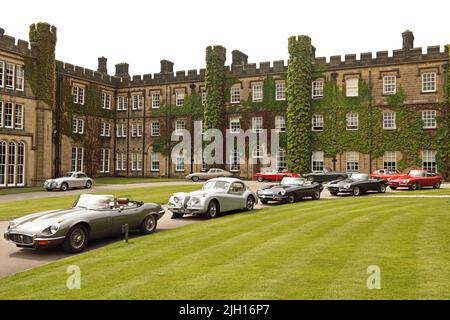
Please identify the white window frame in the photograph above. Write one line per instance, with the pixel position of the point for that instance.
(389, 120)
(121, 130)
(179, 97)
(257, 92)
(179, 162)
(235, 94)
(257, 124)
(2, 74)
(352, 161)
(155, 129)
(180, 125)
(235, 160)
(77, 158)
(21, 168)
(78, 93)
(3, 162)
(156, 100)
(1, 114)
(106, 101)
(317, 161)
(429, 119)
(390, 160)
(11, 163)
(20, 78)
(317, 122)
(137, 102)
(78, 126)
(429, 160)
(317, 89)
(8, 115)
(280, 91)
(389, 84)
(281, 160)
(154, 159)
(351, 87)
(280, 124)
(105, 160)
(428, 82)
(122, 103)
(9, 75)
(352, 121)
(18, 116)
(235, 125)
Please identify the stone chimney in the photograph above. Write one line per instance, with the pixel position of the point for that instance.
(122, 69)
(2, 32)
(102, 67)
(408, 40)
(238, 58)
(166, 66)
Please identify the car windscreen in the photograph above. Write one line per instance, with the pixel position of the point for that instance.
(222, 185)
(68, 174)
(90, 201)
(292, 181)
(416, 173)
(360, 176)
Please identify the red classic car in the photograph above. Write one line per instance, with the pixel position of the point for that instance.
(417, 179)
(274, 175)
(386, 174)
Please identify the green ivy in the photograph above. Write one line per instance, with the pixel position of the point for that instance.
(298, 108)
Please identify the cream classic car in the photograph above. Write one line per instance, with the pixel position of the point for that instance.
(217, 195)
(70, 180)
(210, 174)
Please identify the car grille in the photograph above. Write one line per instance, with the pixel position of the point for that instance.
(21, 238)
(185, 201)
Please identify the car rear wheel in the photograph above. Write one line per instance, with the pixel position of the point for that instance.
(437, 185)
(76, 239)
(195, 179)
(149, 225)
(260, 179)
(316, 195)
(382, 188)
(64, 186)
(414, 186)
(250, 203)
(88, 184)
(213, 210)
(356, 191)
(291, 198)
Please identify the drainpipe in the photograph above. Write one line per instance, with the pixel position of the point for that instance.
(370, 128)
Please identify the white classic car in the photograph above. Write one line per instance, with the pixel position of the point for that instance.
(217, 195)
(70, 180)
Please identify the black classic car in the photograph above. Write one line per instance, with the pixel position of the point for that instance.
(325, 176)
(357, 184)
(289, 190)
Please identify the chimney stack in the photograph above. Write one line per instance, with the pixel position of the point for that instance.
(2, 32)
(166, 66)
(408, 40)
(122, 69)
(238, 58)
(102, 67)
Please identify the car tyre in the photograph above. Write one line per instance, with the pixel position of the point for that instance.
(88, 184)
(414, 186)
(64, 186)
(382, 188)
(76, 239)
(213, 210)
(291, 198)
(250, 203)
(316, 195)
(437, 185)
(149, 224)
(176, 215)
(263, 201)
(195, 179)
(260, 179)
(356, 191)
(334, 193)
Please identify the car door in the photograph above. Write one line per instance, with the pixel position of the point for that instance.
(235, 196)
(101, 223)
(130, 215)
(81, 180)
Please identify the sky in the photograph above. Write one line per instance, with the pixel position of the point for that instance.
(142, 33)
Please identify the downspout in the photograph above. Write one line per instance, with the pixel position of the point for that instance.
(168, 125)
(143, 135)
(370, 125)
(115, 133)
(57, 138)
(128, 132)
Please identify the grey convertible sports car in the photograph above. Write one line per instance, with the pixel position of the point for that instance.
(357, 184)
(290, 190)
(91, 217)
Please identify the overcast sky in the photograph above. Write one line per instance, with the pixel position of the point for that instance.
(144, 32)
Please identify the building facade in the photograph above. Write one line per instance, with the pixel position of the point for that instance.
(367, 112)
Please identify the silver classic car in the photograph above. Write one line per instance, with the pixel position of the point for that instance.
(91, 217)
(210, 174)
(217, 195)
(68, 181)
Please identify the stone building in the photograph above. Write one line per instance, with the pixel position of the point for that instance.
(120, 125)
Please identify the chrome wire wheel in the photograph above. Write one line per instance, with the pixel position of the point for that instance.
(77, 238)
(382, 188)
(250, 203)
(356, 191)
(291, 198)
(150, 224)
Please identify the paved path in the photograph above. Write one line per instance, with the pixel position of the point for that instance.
(13, 259)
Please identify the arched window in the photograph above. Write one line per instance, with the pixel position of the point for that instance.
(2, 163)
(21, 164)
(12, 163)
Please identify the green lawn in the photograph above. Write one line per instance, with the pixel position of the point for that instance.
(17, 208)
(4, 191)
(124, 180)
(424, 191)
(309, 250)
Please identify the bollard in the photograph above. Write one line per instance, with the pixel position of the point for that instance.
(125, 229)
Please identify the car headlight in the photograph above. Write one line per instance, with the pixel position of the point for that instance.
(194, 201)
(406, 181)
(176, 199)
(283, 192)
(12, 225)
(347, 186)
(54, 228)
